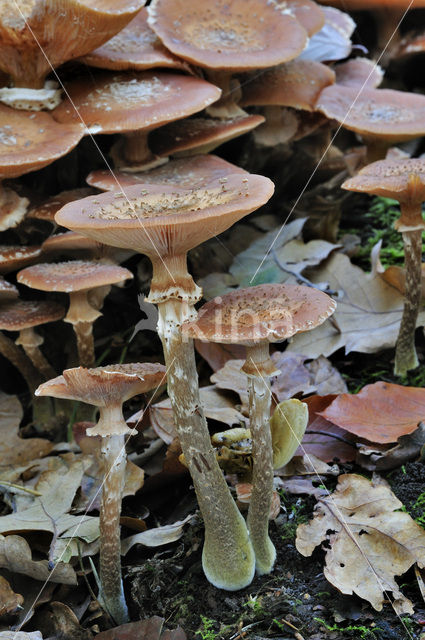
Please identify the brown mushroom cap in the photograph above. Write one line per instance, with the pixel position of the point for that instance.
(308, 13)
(264, 313)
(47, 209)
(360, 73)
(135, 47)
(190, 173)
(23, 314)
(113, 103)
(163, 220)
(403, 179)
(74, 243)
(105, 386)
(200, 135)
(16, 257)
(236, 36)
(75, 275)
(30, 141)
(8, 291)
(36, 35)
(296, 84)
(392, 115)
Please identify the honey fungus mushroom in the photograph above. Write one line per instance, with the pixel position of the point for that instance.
(134, 104)
(165, 223)
(224, 38)
(107, 388)
(28, 142)
(403, 180)
(77, 278)
(255, 317)
(64, 30)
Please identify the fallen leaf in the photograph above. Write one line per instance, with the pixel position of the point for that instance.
(384, 457)
(367, 317)
(368, 539)
(13, 449)
(394, 275)
(231, 377)
(20, 635)
(157, 536)
(9, 600)
(218, 354)
(150, 629)
(243, 495)
(380, 412)
(16, 555)
(300, 485)
(325, 377)
(307, 465)
(293, 378)
(288, 248)
(59, 621)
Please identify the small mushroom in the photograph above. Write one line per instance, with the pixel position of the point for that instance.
(13, 257)
(107, 388)
(165, 222)
(77, 278)
(255, 317)
(403, 180)
(308, 13)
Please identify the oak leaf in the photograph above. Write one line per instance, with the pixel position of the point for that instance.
(369, 540)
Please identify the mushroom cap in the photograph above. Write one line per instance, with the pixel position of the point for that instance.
(391, 115)
(309, 14)
(190, 173)
(360, 73)
(30, 141)
(264, 313)
(65, 30)
(71, 242)
(296, 84)
(403, 179)
(160, 220)
(113, 103)
(236, 36)
(23, 314)
(135, 47)
(76, 275)
(200, 134)
(105, 386)
(8, 291)
(16, 257)
(47, 209)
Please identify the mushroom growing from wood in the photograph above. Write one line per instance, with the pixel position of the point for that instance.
(255, 317)
(107, 388)
(403, 180)
(165, 223)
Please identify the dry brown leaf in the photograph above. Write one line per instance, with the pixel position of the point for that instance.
(243, 495)
(59, 621)
(384, 457)
(218, 354)
(380, 412)
(9, 600)
(394, 275)
(231, 377)
(157, 536)
(149, 629)
(370, 541)
(307, 465)
(367, 317)
(13, 449)
(16, 555)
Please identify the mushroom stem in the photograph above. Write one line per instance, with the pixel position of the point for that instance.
(136, 148)
(262, 453)
(228, 558)
(405, 354)
(112, 590)
(85, 343)
(21, 361)
(226, 106)
(30, 341)
(82, 315)
(376, 148)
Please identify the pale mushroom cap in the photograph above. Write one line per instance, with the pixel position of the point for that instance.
(332, 42)
(403, 179)
(135, 47)
(105, 386)
(30, 141)
(8, 291)
(16, 257)
(309, 14)
(164, 220)
(113, 103)
(296, 84)
(360, 73)
(243, 34)
(264, 313)
(200, 133)
(392, 115)
(190, 173)
(75, 275)
(23, 314)
(47, 209)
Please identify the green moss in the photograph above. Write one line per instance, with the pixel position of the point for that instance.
(360, 631)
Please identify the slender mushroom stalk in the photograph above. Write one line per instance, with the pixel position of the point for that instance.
(30, 342)
(107, 388)
(20, 360)
(403, 180)
(165, 222)
(255, 317)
